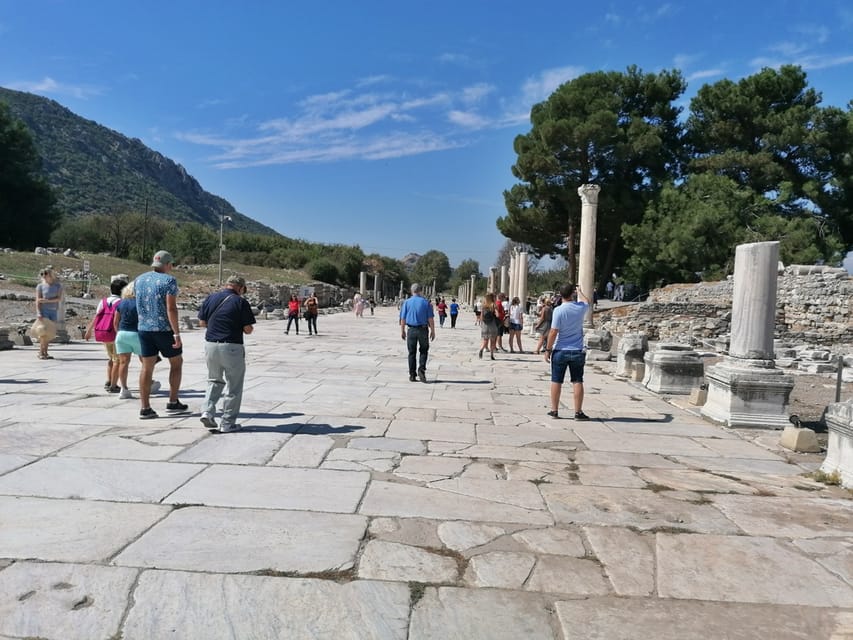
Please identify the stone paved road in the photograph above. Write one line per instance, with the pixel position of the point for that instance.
(359, 505)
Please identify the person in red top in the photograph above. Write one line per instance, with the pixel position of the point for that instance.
(441, 306)
(500, 312)
(292, 313)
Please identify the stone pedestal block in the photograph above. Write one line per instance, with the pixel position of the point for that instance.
(598, 343)
(632, 348)
(748, 393)
(5, 342)
(673, 369)
(799, 439)
(19, 339)
(839, 454)
(698, 396)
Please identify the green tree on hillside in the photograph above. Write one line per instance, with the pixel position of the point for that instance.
(617, 130)
(27, 204)
(463, 272)
(432, 266)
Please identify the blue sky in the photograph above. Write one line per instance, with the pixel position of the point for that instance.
(387, 124)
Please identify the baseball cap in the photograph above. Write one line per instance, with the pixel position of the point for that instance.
(161, 258)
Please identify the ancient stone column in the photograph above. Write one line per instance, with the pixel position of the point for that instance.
(586, 267)
(377, 286)
(472, 295)
(362, 283)
(513, 274)
(746, 389)
(521, 292)
(504, 280)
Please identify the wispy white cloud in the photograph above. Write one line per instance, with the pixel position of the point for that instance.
(809, 62)
(816, 33)
(705, 73)
(50, 86)
(468, 119)
(542, 85)
(475, 93)
(684, 60)
(210, 102)
(369, 81)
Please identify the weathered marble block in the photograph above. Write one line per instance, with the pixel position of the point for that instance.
(5, 342)
(674, 369)
(598, 343)
(632, 349)
(839, 454)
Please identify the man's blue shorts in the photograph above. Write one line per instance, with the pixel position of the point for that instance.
(153, 342)
(569, 359)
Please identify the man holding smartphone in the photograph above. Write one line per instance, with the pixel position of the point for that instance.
(564, 349)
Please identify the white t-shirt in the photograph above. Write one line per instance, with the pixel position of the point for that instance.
(516, 314)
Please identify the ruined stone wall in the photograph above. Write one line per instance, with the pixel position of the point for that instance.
(814, 305)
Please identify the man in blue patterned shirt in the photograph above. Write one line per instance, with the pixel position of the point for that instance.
(159, 331)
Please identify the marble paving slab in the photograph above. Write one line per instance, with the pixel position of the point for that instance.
(444, 431)
(243, 447)
(224, 607)
(741, 569)
(90, 478)
(597, 439)
(787, 517)
(274, 488)
(119, 447)
(244, 540)
(382, 560)
(71, 530)
(69, 601)
(10, 462)
(24, 438)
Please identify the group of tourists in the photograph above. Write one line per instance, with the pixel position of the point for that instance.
(309, 308)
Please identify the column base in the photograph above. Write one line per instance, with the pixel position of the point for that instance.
(674, 369)
(839, 453)
(748, 394)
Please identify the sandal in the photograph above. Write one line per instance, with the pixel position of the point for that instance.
(553, 414)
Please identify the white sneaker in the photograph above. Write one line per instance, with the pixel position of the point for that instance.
(208, 421)
(155, 386)
(125, 394)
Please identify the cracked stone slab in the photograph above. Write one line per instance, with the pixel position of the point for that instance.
(516, 454)
(499, 569)
(244, 540)
(213, 607)
(69, 601)
(34, 439)
(692, 480)
(449, 612)
(118, 480)
(243, 447)
(729, 448)
(274, 488)
(461, 536)
(562, 574)
(741, 569)
(303, 451)
(633, 618)
(628, 559)
(119, 447)
(10, 462)
(552, 541)
(609, 476)
(400, 445)
(421, 466)
(518, 494)
(740, 465)
(443, 431)
(361, 460)
(839, 564)
(635, 460)
(523, 434)
(788, 518)
(405, 501)
(638, 508)
(78, 531)
(382, 560)
(597, 439)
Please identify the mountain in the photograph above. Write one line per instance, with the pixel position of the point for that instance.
(94, 169)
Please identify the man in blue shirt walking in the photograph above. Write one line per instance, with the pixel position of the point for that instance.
(564, 349)
(416, 315)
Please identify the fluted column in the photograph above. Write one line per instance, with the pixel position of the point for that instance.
(362, 283)
(504, 280)
(586, 267)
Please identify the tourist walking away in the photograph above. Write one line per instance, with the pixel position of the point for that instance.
(454, 312)
(543, 322)
(372, 304)
(516, 323)
(489, 324)
(312, 309)
(104, 328)
(608, 289)
(49, 297)
(292, 313)
(441, 306)
(159, 333)
(478, 309)
(227, 316)
(564, 349)
(502, 309)
(416, 316)
(127, 339)
(358, 305)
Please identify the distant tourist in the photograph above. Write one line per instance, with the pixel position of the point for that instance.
(564, 349)
(358, 305)
(489, 323)
(608, 289)
(454, 312)
(502, 311)
(292, 313)
(227, 315)
(516, 323)
(312, 310)
(127, 339)
(159, 332)
(416, 315)
(543, 322)
(478, 306)
(441, 307)
(49, 295)
(372, 304)
(103, 325)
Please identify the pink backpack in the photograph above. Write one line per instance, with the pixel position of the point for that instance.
(104, 331)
